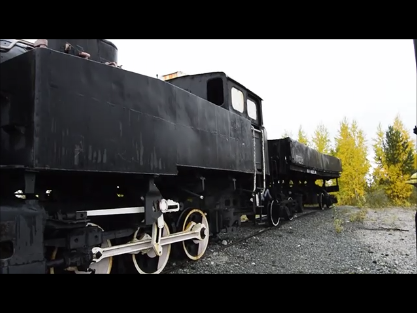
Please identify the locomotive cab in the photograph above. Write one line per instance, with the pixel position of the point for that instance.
(223, 91)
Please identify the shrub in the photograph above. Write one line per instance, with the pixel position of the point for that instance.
(376, 199)
(338, 225)
(358, 216)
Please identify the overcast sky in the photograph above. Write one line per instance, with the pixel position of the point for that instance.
(302, 82)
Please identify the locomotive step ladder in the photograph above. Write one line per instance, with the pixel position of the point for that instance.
(258, 190)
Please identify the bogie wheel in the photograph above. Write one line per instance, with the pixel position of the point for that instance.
(291, 210)
(251, 217)
(194, 249)
(321, 206)
(300, 205)
(273, 214)
(286, 212)
(147, 262)
(328, 201)
(289, 215)
(102, 267)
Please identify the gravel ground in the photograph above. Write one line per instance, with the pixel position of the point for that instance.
(327, 242)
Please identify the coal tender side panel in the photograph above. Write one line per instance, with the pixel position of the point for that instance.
(244, 145)
(305, 156)
(196, 131)
(151, 104)
(209, 136)
(241, 143)
(333, 164)
(223, 138)
(208, 133)
(188, 140)
(99, 118)
(17, 110)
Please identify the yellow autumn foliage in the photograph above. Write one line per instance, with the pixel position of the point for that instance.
(379, 172)
(321, 142)
(397, 189)
(321, 139)
(302, 137)
(392, 176)
(351, 150)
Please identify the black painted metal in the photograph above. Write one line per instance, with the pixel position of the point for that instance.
(292, 156)
(100, 50)
(198, 85)
(22, 224)
(68, 113)
(75, 115)
(16, 48)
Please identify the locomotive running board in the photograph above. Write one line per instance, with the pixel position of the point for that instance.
(194, 231)
(118, 211)
(171, 206)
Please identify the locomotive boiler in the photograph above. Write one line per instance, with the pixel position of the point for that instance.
(116, 169)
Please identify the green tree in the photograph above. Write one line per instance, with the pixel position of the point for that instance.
(398, 151)
(350, 148)
(321, 140)
(302, 136)
(379, 172)
(398, 163)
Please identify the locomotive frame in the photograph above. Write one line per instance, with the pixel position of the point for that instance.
(115, 163)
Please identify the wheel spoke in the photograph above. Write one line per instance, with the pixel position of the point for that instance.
(149, 262)
(195, 249)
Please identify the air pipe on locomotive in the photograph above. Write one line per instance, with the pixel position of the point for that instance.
(114, 163)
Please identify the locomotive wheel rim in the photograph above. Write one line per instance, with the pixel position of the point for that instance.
(102, 267)
(275, 221)
(194, 249)
(291, 217)
(147, 262)
(321, 202)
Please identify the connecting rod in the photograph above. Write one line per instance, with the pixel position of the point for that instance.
(194, 231)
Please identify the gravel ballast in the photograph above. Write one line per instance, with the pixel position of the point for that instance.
(327, 242)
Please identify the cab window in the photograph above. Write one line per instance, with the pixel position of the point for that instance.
(252, 110)
(238, 100)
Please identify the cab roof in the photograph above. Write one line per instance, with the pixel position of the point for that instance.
(220, 73)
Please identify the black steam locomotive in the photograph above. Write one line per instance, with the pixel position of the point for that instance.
(99, 162)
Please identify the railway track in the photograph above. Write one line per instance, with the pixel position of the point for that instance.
(184, 263)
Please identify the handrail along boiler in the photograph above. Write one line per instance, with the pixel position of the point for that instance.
(115, 169)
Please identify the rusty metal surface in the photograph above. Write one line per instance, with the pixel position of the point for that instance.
(173, 75)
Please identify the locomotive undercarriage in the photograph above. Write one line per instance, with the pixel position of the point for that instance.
(102, 223)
